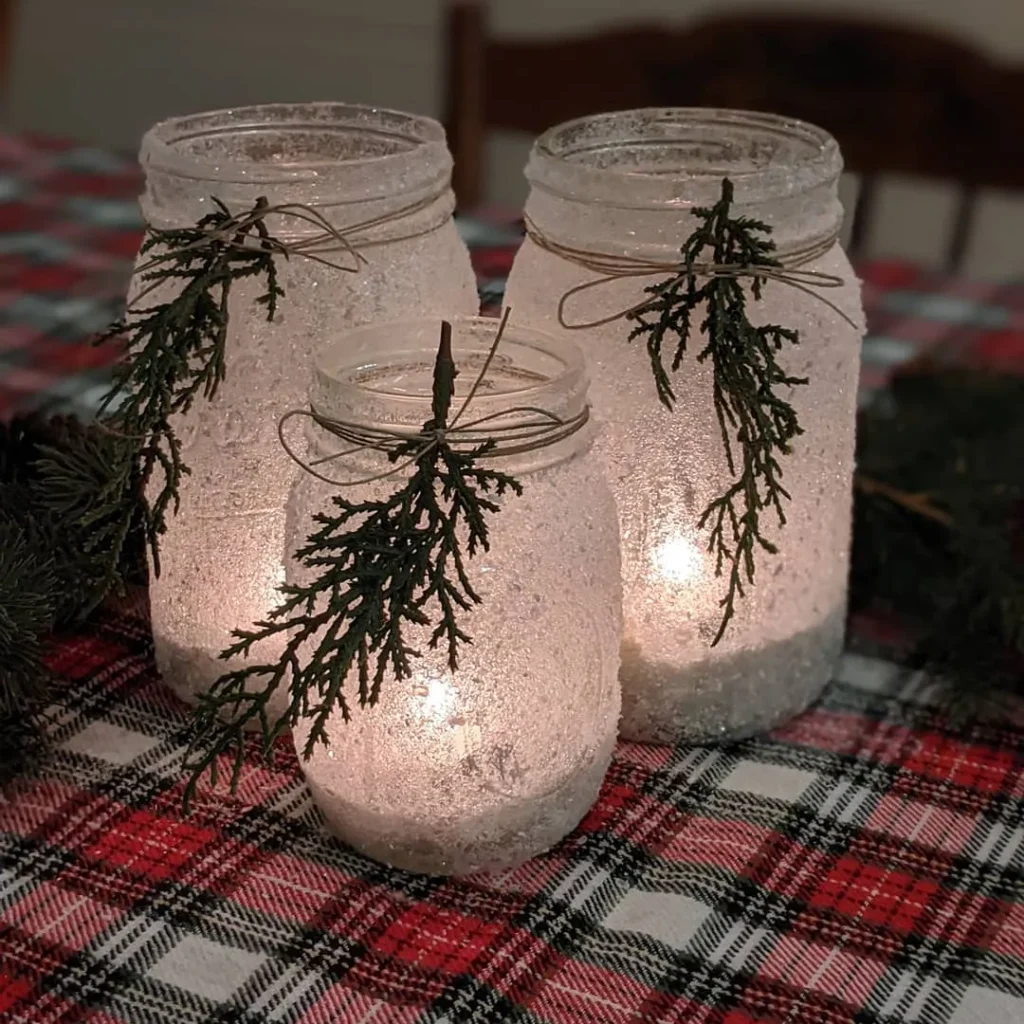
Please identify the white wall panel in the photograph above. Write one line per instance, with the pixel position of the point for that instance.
(103, 70)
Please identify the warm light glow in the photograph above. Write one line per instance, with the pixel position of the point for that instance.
(478, 767)
(434, 698)
(677, 559)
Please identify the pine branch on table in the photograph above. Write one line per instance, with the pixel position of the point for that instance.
(27, 587)
(59, 479)
(57, 562)
(940, 546)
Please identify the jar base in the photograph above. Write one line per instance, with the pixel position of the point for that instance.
(723, 701)
(503, 838)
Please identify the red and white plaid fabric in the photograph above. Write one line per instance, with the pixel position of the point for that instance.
(863, 864)
(69, 228)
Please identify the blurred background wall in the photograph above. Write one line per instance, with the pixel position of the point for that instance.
(103, 70)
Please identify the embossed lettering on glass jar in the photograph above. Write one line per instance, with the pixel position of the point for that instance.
(486, 766)
(223, 555)
(627, 184)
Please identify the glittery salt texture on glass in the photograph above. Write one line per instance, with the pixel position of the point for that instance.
(627, 183)
(223, 555)
(482, 768)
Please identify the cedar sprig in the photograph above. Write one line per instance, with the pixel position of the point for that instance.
(747, 378)
(380, 565)
(175, 349)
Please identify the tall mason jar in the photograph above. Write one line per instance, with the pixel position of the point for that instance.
(223, 555)
(627, 184)
(481, 768)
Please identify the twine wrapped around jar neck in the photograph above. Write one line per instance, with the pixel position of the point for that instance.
(331, 239)
(531, 429)
(612, 267)
(534, 429)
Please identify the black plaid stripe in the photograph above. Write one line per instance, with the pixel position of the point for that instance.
(601, 867)
(705, 979)
(304, 960)
(934, 972)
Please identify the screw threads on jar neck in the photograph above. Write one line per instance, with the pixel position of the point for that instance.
(381, 376)
(354, 164)
(629, 181)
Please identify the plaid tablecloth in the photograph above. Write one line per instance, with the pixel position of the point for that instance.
(865, 863)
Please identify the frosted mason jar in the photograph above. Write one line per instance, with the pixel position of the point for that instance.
(486, 766)
(627, 184)
(223, 554)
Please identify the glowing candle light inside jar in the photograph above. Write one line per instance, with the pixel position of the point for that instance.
(486, 765)
(222, 556)
(627, 190)
(678, 560)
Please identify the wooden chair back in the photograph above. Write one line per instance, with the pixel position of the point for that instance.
(6, 39)
(898, 100)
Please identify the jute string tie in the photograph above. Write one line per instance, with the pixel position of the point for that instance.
(612, 267)
(522, 429)
(330, 239)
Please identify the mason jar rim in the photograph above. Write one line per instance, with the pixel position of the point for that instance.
(808, 157)
(382, 344)
(419, 142)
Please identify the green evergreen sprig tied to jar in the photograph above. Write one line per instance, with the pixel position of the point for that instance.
(695, 255)
(450, 656)
(718, 262)
(379, 566)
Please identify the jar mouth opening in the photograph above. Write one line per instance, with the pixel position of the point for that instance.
(278, 143)
(679, 155)
(394, 363)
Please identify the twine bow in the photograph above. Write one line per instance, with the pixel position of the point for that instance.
(613, 267)
(235, 233)
(531, 429)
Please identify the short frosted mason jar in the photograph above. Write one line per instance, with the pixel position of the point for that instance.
(223, 554)
(484, 767)
(627, 184)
